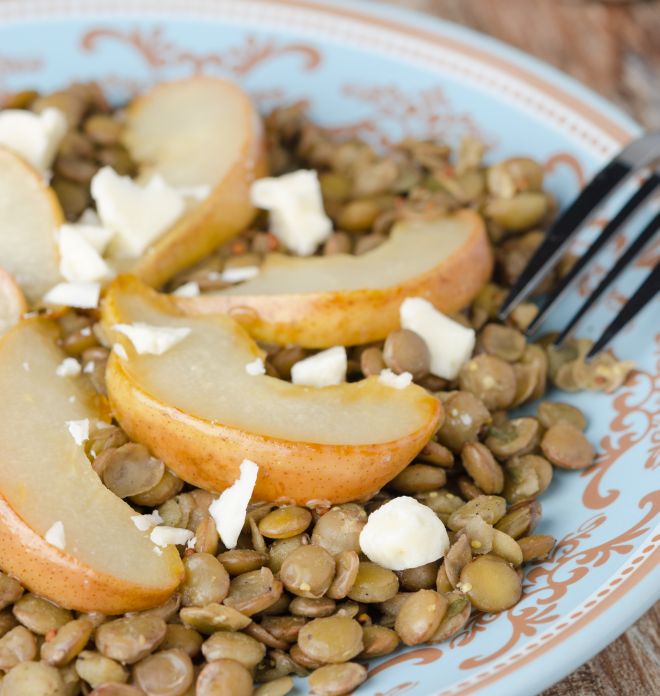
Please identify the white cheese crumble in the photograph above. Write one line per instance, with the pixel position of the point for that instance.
(229, 510)
(321, 370)
(137, 215)
(81, 295)
(295, 203)
(34, 137)
(55, 535)
(154, 340)
(89, 217)
(403, 534)
(26, 366)
(239, 274)
(120, 350)
(391, 379)
(80, 261)
(190, 289)
(69, 367)
(97, 236)
(450, 343)
(79, 430)
(256, 367)
(164, 536)
(144, 522)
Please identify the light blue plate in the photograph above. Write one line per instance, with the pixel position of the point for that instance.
(383, 73)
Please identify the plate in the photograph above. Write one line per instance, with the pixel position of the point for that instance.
(381, 73)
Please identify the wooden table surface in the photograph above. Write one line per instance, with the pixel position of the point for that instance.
(614, 48)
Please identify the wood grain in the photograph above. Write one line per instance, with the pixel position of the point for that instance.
(628, 667)
(614, 48)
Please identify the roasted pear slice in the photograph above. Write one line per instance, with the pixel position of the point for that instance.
(30, 215)
(12, 302)
(197, 408)
(98, 561)
(328, 300)
(197, 132)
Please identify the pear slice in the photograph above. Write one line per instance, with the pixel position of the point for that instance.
(12, 302)
(106, 564)
(328, 300)
(197, 408)
(201, 131)
(30, 214)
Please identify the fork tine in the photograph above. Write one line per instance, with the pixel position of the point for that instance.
(636, 155)
(644, 294)
(632, 204)
(561, 233)
(625, 258)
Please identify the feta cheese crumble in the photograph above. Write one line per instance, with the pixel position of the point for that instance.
(81, 295)
(55, 535)
(144, 522)
(120, 350)
(79, 430)
(190, 289)
(450, 344)
(164, 536)
(321, 370)
(229, 510)
(239, 274)
(295, 203)
(154, 340)
(97, 236)
(89, 217)
(69, 367)
(34, 137)
(403, 534)
(80, 259)
(137, 215)
(256, 367)
(391, 379)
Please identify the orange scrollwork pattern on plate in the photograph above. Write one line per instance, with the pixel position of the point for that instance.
(398, 690)
(428, 113)
(160, 52)
(419, 656)
(569, 160)
(636, 417)
(14, 65)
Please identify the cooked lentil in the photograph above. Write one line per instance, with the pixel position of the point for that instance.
(205, 580)
(165, 673)
(234, 646)
(336, 680)
(224, 678)
(420, 616)
(331, 640)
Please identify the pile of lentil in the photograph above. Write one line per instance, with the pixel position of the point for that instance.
(296, 597)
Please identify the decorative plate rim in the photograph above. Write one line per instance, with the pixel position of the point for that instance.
(529, 83)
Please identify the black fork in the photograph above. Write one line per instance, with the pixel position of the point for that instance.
(639, 158)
